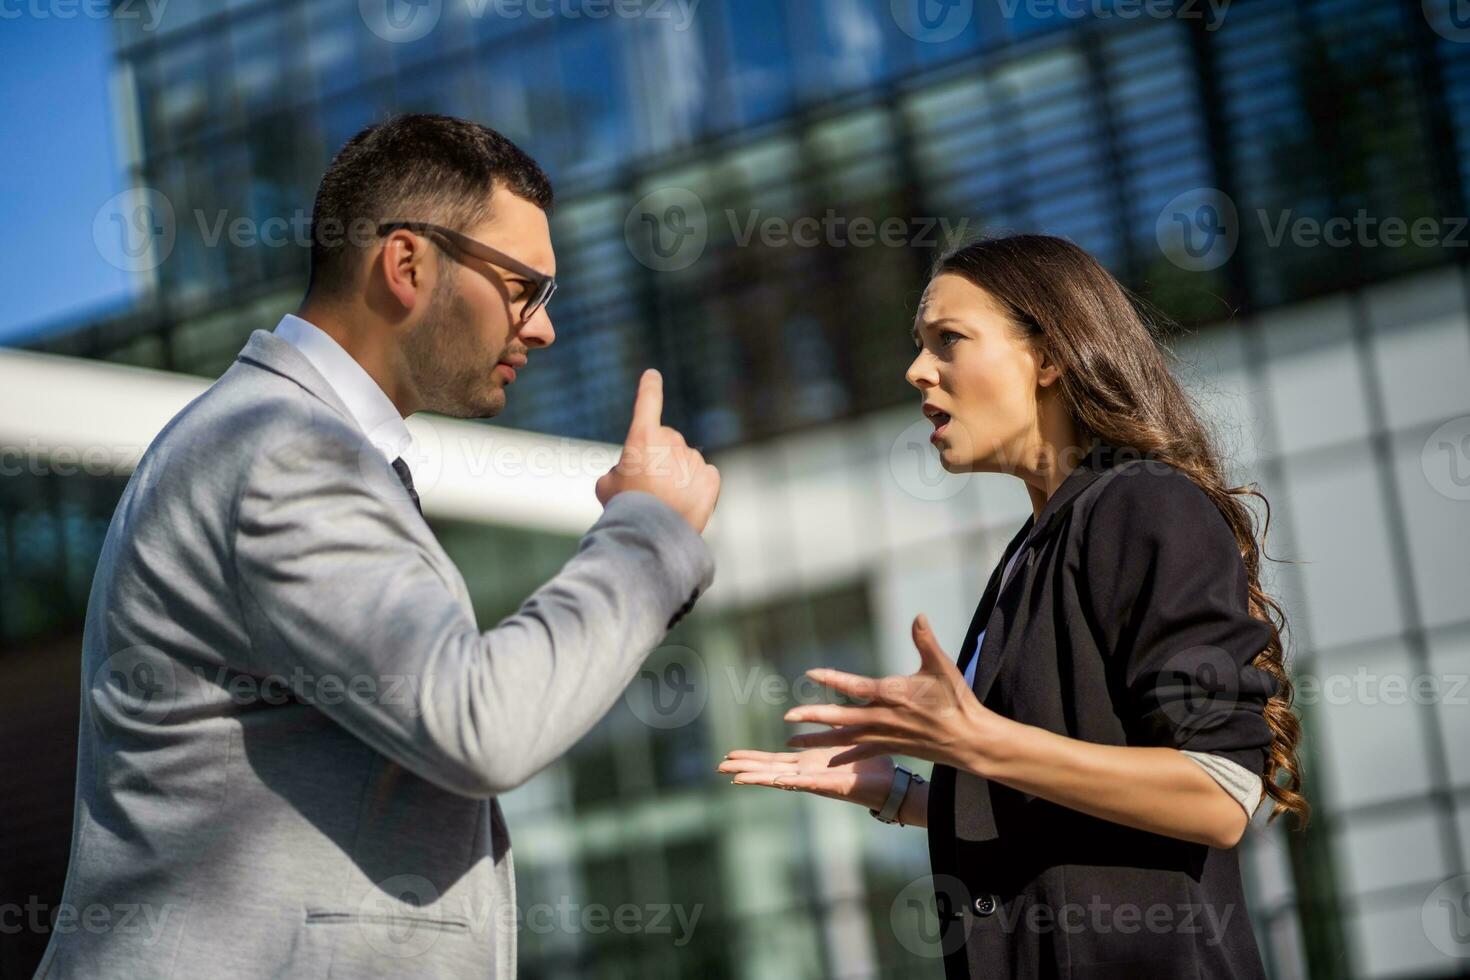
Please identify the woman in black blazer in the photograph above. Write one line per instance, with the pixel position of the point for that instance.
(1129, 703)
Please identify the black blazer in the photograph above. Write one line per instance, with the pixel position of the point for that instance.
(1124, 623)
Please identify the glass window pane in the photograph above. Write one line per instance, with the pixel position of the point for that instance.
(1385, 852)
(844, 46)
(258, 50)
(1337, 520)
(1315, 377)
(759, 67)
(1449, 666)
(1367, 728)
(1421, 347)
(1438, 525)
(598, 124)
(1389, 941)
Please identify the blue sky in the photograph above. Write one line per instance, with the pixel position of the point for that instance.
(61, 166)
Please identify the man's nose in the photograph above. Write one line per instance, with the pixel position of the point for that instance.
(538, 331)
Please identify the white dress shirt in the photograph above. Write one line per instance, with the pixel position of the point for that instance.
(1246, 787)
(371, 409)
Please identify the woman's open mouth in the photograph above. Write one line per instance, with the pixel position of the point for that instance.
(939, 418)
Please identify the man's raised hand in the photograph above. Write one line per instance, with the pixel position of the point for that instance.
(657, 460)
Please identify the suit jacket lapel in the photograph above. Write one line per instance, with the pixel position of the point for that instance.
(974, 814)
(264, 349)
(974, 819)
(987, 600)
(1088, 469)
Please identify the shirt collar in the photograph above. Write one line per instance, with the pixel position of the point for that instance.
(371, 409)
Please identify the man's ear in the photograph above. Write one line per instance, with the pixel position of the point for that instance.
(401, 263)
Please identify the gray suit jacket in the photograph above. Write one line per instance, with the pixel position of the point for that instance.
(293, 730)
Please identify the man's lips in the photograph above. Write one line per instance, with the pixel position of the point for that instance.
(510, 365)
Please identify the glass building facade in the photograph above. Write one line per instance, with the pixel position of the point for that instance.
(1183, 150)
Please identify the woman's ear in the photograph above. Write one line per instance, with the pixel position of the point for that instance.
(1048, 371)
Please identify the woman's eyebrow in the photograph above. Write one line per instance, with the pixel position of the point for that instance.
(933, 325)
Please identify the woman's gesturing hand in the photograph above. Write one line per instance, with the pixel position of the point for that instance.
(865, 781)
(930, 714)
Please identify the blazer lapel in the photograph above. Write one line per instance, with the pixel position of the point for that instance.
(974, 819)
(264, 349)
(974, 814)
(987, 600)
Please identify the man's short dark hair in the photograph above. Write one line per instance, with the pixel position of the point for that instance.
(417, 167)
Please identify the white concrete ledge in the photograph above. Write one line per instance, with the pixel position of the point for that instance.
(80, 416)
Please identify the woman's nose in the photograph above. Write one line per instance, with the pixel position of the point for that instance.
(921, 373)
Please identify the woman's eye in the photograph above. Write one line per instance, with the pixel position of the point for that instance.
(944, 336)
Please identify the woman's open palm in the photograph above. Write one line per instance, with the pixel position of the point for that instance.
(865, 782)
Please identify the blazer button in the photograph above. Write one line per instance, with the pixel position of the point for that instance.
(985, 905)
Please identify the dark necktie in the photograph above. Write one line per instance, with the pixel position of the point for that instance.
(401, 468)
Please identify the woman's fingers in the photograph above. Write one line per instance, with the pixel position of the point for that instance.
(853, 685)
(758, 755)
(766, 777)
(755, 765)
(931, 654)
(833, 737)
(835, 714)
(828, 784)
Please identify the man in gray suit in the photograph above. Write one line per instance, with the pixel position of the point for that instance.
(293, 730)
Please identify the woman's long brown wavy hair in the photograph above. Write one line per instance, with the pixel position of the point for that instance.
(1117, 384)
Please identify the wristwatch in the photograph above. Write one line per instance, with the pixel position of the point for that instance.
(902, 779)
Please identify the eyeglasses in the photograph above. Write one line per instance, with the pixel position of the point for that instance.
(543, 286)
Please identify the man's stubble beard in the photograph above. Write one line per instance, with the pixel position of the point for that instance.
(450, 366)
